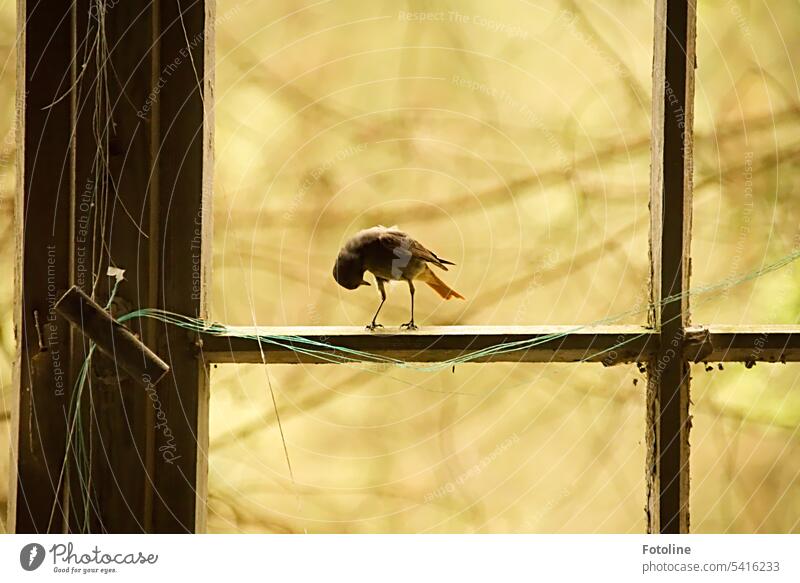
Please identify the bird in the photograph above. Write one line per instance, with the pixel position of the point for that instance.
(389, 254)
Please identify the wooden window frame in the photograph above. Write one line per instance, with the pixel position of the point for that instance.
(172, 497)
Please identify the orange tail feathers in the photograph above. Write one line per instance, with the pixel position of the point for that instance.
(439, 286)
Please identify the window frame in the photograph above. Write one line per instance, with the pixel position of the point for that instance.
(172, 498)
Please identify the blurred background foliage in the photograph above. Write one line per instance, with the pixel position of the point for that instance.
(513, 139)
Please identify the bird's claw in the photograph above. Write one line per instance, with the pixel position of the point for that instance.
(409, 326)
(371, 327)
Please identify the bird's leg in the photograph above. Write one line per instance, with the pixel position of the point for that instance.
(372, 325)
(410, 325)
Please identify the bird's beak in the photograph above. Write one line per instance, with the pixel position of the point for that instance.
(365, 282)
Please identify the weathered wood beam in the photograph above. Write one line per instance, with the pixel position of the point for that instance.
(182, 150)
(43, 257)
(668, 420)
(746, 344)
(115, 171)
(607, 344)
(113, 227)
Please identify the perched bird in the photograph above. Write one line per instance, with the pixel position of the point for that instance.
(389, 254)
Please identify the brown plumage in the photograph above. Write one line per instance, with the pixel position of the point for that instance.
(390, 254)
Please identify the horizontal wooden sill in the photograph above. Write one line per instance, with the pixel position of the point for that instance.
(748, 344)
(441, 343)
(607, 344)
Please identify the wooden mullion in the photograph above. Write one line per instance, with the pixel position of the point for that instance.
(668, 420)
(112, 169)
(183, 156)
(605, 344)
(748, 344)
(43, 265)
(152, 128)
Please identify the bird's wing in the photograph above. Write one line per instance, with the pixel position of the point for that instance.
(402, 245)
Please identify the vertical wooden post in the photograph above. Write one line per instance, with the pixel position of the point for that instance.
(113, 227)
(668, 420)
(117, 173)
(44, 179)
(183, 155)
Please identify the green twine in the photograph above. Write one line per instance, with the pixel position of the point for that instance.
(333, 353)
(76, 441)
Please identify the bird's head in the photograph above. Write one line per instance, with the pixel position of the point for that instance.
(349, 270)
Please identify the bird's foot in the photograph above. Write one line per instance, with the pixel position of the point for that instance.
(409, 326)
(372, 325)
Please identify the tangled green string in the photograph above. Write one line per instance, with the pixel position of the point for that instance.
(332, 353)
